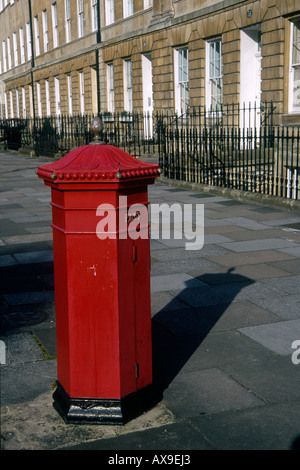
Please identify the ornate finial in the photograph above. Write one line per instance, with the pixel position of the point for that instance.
(97, 129)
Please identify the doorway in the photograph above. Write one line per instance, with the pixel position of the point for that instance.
(250, 77)
(147, 95)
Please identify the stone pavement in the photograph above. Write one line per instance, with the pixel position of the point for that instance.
(224, 321)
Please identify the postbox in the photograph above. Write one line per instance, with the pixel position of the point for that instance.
(102, 282)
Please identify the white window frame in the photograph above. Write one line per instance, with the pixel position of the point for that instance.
(15, 48)
(37, 36)
(8, 53)
(17, 104)
(28, 41)
(23, 103)
(294, 69)
(80, 17)
(181, 74)
(109, 12)
(57, 96)
(127, 8)
(5, 105)
(22, 45)
(214, 77)
(38, 98)
(70, 97)
(68, 20)
(4, 56)
(47, 92)
(94, 7)
(11, 100)
(110, 88)
(54, 24)
(148, 4)
(45, 30)
(81, 92)
(127, 74)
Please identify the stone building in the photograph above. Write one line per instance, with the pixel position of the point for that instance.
(89, 56)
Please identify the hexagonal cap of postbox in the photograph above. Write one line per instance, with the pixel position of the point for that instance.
(97, 162)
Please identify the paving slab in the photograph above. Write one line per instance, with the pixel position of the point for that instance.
(286, 306)
(24, 298)
(255, 245)
(174, 281)
(278, 337)
(35, 256)
(21, 348)
(34, 378)
(294, 251)
(181, 265)
(288, 284)
(291, 266)
(210, 349)
(206, 391)
(274, 379)
(271, 427)
(7, 260)
(246, 223)
(194, 321)
(254, 257)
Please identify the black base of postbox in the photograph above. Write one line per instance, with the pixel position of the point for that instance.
(104, 411)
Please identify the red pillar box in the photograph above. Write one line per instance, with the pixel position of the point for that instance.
(102, 283)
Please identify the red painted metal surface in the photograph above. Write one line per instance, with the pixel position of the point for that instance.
(102, 287)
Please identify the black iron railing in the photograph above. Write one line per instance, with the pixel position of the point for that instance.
(234, 147)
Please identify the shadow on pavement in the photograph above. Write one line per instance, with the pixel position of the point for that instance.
(177, 333)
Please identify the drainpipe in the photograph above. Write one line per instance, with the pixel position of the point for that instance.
(97, 56)
(32, 60)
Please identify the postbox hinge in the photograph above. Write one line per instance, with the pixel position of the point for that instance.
(137, 370)
(134, 254)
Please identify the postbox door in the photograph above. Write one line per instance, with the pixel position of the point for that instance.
(135, 315)
(142, 300)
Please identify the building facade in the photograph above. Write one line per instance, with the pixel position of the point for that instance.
(89, 56)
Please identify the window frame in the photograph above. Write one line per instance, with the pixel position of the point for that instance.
(80, 18)
(47, 96)
(213, 80)
(109, 12)
(15, 48)
(57, 95)
(37, 35)
(23, 103)
(39, 98)
(70, 95)
(127, 83)
(28, 40)
(54, 24)
(128, 8)
(294, 108)
(110, 87)
(45, 30)
(22, 45)
(4, 56)
(68, 21)
(181, 82)
(94, 15)
(9, 63)
(81, 93)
